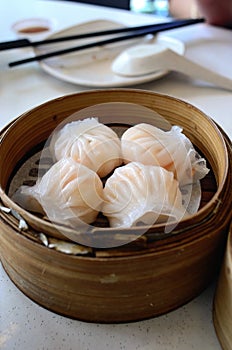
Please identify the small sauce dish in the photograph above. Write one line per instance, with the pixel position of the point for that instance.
(33, 28)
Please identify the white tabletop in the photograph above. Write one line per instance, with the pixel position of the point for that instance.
(25, 325)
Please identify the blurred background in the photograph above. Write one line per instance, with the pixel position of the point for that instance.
(166, 8)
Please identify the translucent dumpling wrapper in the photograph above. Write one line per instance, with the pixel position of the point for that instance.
(142, 194)
(171, 150)
(68, 193)
(90, 143)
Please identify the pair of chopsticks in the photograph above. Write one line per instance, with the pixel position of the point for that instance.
(134, 32)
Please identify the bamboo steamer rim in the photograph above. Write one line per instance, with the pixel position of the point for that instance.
(222, 304)
(215, 200)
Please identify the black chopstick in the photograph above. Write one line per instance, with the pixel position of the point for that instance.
(136, 32)
(26, 42)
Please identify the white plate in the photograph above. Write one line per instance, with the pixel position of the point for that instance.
(92, 67)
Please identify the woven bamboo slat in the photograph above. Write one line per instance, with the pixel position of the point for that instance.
(223, 299)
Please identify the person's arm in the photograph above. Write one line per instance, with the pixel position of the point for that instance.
(183, 8)
(216, 12)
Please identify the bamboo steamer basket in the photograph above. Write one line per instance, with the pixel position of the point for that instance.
(223, 299)
(150, 276)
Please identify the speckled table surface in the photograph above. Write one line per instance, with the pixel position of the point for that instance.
(23, 324)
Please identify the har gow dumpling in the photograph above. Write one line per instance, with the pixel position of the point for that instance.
(171, 150)
(137, 193)
(69, 193)
(90, 143)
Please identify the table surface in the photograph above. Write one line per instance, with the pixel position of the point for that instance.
(25, 325)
